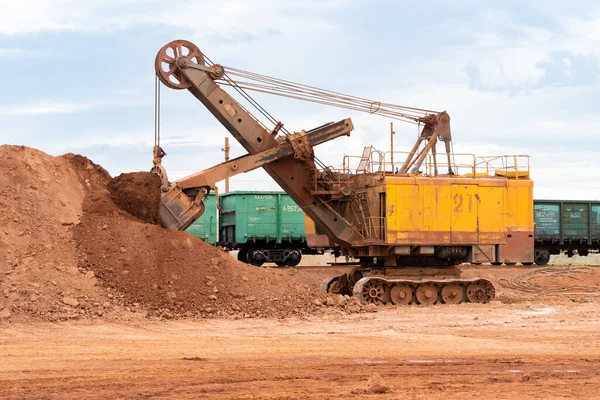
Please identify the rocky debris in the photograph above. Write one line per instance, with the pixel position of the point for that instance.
(70, 301)
(5, 313)
(376, 385)
(348, 304)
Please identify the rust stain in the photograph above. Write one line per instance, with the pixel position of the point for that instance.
(391, 210)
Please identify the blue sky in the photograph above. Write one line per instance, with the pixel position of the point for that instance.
(516, 77)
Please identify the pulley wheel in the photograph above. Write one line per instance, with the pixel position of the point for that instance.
(452, 293)
(401, 293)
(165, 67)
(372, 291)
(426, 293)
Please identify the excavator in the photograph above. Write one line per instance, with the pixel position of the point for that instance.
(409, 217)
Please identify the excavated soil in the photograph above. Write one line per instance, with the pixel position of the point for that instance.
(41, 200)
(174, 273)
(69, 252)
(138, 193)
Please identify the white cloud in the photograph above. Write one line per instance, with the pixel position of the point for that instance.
(55, 106)
(12, 52)
(43, 108)
(204, 17)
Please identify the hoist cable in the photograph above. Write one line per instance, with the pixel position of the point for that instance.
(230, 82)
(156, 110)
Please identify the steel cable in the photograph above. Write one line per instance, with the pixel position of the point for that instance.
(280, 87)
(230, 82)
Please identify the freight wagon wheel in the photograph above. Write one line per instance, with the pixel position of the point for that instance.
(426, 293)
(401, 293)
(243, 255)
(252, 259)
(541, 256)
(527, 264)
(372, 291)
(280, 263)
(295, 261)
(496, 263)
(165, 67)
(452, 293)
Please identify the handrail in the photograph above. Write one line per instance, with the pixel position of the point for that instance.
(464, 165)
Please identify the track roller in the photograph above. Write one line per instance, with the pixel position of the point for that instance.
(426, 293)
(452, 293)
(401, 293)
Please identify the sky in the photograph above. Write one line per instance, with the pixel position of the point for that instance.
(516, 77)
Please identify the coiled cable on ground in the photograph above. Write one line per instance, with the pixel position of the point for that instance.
(550, 280)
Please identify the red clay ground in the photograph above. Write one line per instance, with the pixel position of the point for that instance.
(501, 351)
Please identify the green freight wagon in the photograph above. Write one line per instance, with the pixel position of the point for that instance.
(263, 226)
(205, 227)
(564, 225)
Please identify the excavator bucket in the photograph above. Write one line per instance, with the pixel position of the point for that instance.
(177, 210)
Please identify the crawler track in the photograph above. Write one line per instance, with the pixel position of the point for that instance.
(379, 289)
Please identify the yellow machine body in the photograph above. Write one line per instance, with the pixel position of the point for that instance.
(490, 216)
(493, 214)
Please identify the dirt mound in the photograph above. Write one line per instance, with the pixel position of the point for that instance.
(174, 273)
(41, 199)
(138, 193)
(68, 251)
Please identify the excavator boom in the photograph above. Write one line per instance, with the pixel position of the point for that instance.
(181, 65)
(292, 173)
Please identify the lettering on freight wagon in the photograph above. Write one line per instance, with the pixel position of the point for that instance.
(263, 196)
(545, 214)
(291, 208)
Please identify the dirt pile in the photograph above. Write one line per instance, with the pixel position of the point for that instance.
(137, 193)
(173, 273)
(68, 251)
(41, 199)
